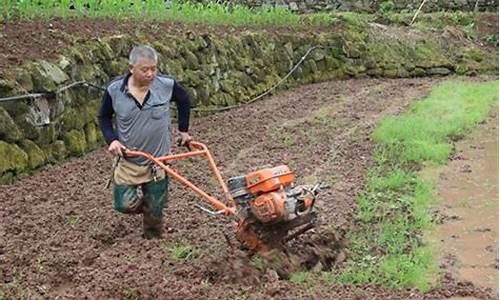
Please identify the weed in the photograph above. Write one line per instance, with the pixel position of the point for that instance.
(73, 220)
(319, 19)
(463, 203)
(328, 277)
(492, 39)
(39, 265)
(130, 293)
(356, 19)
(182, 252)
(258, 262)
(386, 8)
(130, 258)
(288, 141)
(322, 115)
(299, 277)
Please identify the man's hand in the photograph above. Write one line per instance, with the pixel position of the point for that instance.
(116, 148)
(184, 139)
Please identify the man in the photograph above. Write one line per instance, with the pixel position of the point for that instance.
(139, 103)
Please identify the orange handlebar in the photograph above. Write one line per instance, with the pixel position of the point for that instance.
(200, 149)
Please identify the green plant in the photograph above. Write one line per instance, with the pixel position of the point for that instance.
(73, 220)
(258, 262)
(299, 277)
(386, 8)
(130, 293)
(492, 39)
(319, 19)
(182, 252)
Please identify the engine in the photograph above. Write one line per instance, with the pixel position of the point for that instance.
(267, 198)
(268, 195)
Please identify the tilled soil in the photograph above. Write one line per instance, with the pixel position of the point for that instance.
(60, 238)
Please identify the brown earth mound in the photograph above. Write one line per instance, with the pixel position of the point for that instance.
(22, 41)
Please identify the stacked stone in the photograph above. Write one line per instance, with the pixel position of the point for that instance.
(216, 70)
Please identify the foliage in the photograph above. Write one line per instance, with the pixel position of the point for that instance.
(182, 252)
(386, 7)
(299, 277)
(492, 39)
(211, 12)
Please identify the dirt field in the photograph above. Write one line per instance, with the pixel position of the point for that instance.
(61, 239)
(467, 236)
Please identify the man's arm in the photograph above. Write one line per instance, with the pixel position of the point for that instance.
(105, 118)
(181, 97)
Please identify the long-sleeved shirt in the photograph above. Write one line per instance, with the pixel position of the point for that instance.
(145, 126)
(106, 112)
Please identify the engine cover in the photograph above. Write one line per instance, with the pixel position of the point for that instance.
(269, 207)
(282, 205)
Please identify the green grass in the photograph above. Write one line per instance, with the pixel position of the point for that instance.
(423, 133)
(182, 252)
(73, 220)
(387, 246)
(299, 277)
(153, 10)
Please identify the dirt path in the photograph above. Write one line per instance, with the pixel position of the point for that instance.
(59, 236)
(468, 189)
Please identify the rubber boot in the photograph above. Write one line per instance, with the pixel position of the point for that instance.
(155, 197)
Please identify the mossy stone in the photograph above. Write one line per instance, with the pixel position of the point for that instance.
(418, 72)
(47, 134)
(7, 178)
(203, 92)
(73, 119)
(29, 130)
(75, 143)
(13, 158)
(57, 150)
(46, 76)
(9, 131)
(23, 77)
(192, 61)
(36, 157)
(391, 73)
(120, 44)
(6, 86)
(118, 67)
(91, 136)
(438, 71)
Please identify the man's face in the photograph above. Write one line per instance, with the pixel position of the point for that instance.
(144, 71)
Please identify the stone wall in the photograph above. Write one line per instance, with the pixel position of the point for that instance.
(216, 70)
(308, 6)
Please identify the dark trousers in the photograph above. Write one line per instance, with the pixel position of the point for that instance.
(150, 204)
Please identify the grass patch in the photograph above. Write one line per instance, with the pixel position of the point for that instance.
(212, 12)
(182, 252)
(387, 246)
(73, 220)
(423, 133)
(299, 277)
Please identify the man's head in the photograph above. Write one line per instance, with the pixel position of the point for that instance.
(142, 64)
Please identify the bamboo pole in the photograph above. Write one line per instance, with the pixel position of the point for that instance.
(418, 11)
